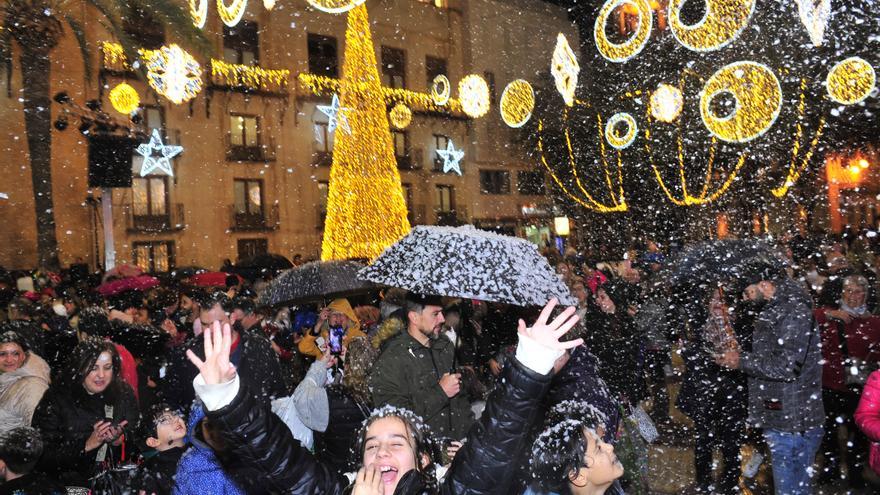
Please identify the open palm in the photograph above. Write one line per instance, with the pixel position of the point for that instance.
(548, 334)
(216, 367)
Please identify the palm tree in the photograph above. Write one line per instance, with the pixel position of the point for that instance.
(37, 26)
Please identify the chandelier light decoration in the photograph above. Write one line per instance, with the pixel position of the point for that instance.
(173, 73)
(517, 103)
(757, 96)
(851, 81)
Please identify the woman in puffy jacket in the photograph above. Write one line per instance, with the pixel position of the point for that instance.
(396, 448)
(867, 415)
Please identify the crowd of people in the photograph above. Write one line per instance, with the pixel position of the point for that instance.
(183, 388)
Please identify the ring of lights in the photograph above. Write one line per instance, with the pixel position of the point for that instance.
(441, 90)
(232, 14)
(400, 116)
(124, 98)
(630, 48)
(850, 81)
(758, 97)
(198, 10)
(335, 6)
(666, 103)
(473, 93)
(722, 24)
(517, 103)
(617, 141)
(174, 73)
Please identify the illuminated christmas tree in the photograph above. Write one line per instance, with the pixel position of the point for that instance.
(366, 211)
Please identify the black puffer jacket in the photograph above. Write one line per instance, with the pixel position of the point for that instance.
(485, 465)
(334, 445)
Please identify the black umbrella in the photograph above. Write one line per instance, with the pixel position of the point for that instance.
(468, 263)
(255, 266)
(722, 260)
(315, 281)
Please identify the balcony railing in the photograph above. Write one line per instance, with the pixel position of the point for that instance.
(268, 219)
(453, 217)
(171, 221)
(263, 152)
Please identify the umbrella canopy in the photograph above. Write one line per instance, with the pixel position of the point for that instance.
(254, 266)
(715, 261)
(469, 263)
(314, 281)
(142, 282)
(211, 279)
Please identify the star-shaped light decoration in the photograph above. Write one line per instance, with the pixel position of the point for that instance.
(165, 152)
(451, 158)
(335, 115)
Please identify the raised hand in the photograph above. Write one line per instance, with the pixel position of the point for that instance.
(216, 368)
(548, 334)
(368, 482)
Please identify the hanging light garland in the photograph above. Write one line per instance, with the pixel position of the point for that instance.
(316, 85)
(249, 76)
(796, 169)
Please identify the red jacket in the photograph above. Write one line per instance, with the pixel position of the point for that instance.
(862, 342)
(129, 368)
(868, 413)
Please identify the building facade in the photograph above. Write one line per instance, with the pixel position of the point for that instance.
(253, 174)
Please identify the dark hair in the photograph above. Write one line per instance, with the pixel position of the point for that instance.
(558, 451)
(21, 448)
(422, 440)
(208, 300)
(245, 304)
(93, 322)
(13, 337)
(81, 360)
(126, 300)
(231, 281)
(150, 423)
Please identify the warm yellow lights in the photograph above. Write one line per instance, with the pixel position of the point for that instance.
(564, 67)
(795, 169)
(517, 103)
(173, 73)
(269, 4)
(614, 136)
(666, 103)
(249, 76)
(198, 10)
(231, 14)
(335, 6)
(124, 98)
(723, 22)
(400, 116)
(441, 89)
(473, 92)
(561, 226)
(366, 211)
(850, 81)
(630, 48)
(757, 96)
(113, 57)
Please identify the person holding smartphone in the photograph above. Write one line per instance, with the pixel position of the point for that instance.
(337, 324)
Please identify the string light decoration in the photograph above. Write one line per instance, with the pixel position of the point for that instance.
(517, 103)
(666, 103)
(441, 89)
(795, 169)
(249, 76)
(451, 158)
(316, 85)
(850, 81)
(565, 69)
(400, 116)
(721, 25)
(335, 6)
(814, 16)
(758, 98)
(473, 92)
(198, 11)
(124, 98)
(231, 15)
(173, 73)
(113, 57)
(586, 199)
(162, 163)
(614, 137)
(621, 52)
(366, 210)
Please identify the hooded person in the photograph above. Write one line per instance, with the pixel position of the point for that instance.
(24, 378)
(20, 449)
(200, 469)
(337, 316)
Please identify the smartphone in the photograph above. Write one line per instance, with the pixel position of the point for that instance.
(336, 334)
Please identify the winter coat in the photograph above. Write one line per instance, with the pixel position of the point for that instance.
(253, 357)
(334, 445)
(484, 465)
(612, 338)
(867, 415)
(862, 342)
(784, 368)
(651, 322)
(32, 484)
(307, 409)
(65, 419)
(308, 345)
(199, 471)
(21, 391)
(407, 374)
(156, 475)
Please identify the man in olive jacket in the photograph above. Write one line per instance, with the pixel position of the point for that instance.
(415, 371)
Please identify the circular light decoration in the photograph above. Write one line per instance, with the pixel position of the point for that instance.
(631, 47)
(517, 103)
(174, 74)
(440, 90)
(757, 101)
(617, 139)
(401, 116)
(198, 10)
(233, 13)
(335, 6)
(474, 95)
(124, 98)
(723, 22)
(850, 81)
(666, 103)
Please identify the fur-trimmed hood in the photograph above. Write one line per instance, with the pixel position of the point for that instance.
(389, 328)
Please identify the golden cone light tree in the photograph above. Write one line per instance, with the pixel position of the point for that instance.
(366, 211)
